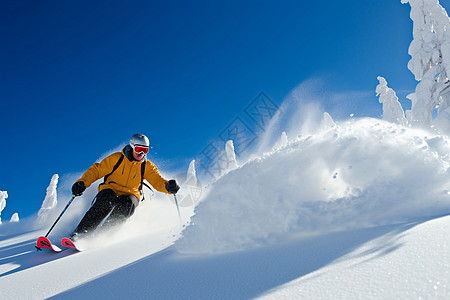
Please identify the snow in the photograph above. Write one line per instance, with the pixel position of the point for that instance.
(430, 63)
(393, 262)
(3, 197)
(392, 109)
(50, 200)
(191, 177)
(349, 209)
(28, 274)
(327, 122)
(282, 142)
(14, 218)
(359, 174)
(231, 156)
(360, 207)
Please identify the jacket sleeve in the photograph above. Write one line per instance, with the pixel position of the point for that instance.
(155, 178)
(99, 170)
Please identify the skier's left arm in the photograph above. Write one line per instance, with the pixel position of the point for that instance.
(154, 177)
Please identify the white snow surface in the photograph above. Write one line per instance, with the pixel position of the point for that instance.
(359, 209)
(360, 174)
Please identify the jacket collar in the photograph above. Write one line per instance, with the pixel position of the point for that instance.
(127, 152)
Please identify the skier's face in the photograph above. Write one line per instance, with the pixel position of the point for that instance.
(138, 156)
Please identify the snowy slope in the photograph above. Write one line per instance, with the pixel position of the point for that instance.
(357, 209)
(29, 274)
(362, 173)
(390, 262)
(409, 261)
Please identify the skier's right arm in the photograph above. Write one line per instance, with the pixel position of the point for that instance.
(99, 170)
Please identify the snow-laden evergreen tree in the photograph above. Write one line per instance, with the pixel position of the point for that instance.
(327, 121)
(191, 178)
(50, 200)
(392, 109)
(430, 60)
(190, 191)
(283, 141)
(231, 156)
(14, 218)
(3, 196)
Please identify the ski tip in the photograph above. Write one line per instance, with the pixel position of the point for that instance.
(68, 243)
(44, 243)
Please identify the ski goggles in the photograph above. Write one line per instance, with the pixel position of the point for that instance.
(140, 149)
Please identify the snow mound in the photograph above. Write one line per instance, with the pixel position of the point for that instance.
(357, 174)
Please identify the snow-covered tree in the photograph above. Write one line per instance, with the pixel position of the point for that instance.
(327, 121)
(50, 200)
(190, 191)
(14, 218)
(283, 139)
(430, 60)
(392, 109)
(3, 196)
(231, 156)
(282, 142)
(191, 178)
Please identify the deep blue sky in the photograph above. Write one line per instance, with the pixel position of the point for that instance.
(78, 78)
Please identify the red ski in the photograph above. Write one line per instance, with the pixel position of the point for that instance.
(43, 242)
(65, 242)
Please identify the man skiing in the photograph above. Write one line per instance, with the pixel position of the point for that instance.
(121, 191)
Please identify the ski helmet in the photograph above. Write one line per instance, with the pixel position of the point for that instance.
(139, 140)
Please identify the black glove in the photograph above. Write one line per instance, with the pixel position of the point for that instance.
(172, 186)
(78, 188)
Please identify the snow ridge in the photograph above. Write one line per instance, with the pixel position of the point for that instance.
(358, 174)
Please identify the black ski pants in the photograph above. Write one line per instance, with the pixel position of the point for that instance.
(115, 209)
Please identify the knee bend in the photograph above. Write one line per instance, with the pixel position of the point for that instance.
(127, 204)
(106, 199)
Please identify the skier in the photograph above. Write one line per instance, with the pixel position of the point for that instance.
(121, 191)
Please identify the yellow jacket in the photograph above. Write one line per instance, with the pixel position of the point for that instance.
(126, 179)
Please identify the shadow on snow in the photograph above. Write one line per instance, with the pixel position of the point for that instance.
(240, 275)
(24, 255)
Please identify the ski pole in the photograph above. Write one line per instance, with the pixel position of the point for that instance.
(178, 208)
(64, 210)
